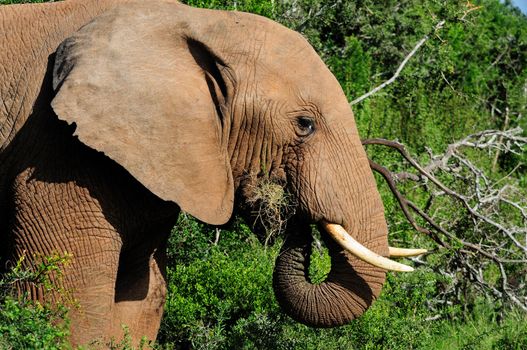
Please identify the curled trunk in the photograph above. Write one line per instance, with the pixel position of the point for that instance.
(349, 289)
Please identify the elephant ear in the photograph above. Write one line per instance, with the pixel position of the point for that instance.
(152, 101)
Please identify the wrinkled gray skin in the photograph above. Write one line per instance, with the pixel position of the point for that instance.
(149, 108)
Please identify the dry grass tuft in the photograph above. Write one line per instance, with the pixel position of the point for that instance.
(272, 205)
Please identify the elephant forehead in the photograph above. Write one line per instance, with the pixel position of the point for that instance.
(297, 90)
(300, 79)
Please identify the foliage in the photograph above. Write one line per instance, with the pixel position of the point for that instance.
(201, 304)
(125, 343)
(26, 324)
(220, 297)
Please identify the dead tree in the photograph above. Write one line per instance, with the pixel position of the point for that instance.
(480, 221)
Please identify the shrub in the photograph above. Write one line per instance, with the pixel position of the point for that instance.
(26, 324)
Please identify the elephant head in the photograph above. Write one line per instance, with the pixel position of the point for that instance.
(198, 105)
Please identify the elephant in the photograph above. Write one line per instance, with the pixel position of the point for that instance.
(117, 115)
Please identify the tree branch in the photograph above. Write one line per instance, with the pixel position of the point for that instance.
(400, 68)
(496, 230)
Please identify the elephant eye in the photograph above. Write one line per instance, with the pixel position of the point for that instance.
(306, 126)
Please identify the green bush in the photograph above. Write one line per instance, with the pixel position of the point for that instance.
(214, 284)
(26, 324)
(30, 325)
(222, 299)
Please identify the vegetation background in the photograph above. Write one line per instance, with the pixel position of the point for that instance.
(461, 81)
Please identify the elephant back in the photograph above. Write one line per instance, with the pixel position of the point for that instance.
(33, 33)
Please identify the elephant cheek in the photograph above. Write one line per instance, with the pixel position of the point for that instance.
(349, 289)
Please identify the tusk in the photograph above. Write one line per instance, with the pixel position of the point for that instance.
(403, 252)
(339, 234)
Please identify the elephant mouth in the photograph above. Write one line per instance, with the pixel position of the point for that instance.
(348, 243)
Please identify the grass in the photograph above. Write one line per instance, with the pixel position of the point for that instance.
(272, 205)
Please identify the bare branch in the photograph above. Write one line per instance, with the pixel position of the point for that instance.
(400, 68)
(485, 224)
(505, 126)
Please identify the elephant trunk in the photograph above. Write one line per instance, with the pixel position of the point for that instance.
(337, 190)
(349, 289)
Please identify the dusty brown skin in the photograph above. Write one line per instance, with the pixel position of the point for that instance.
(155, 107)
